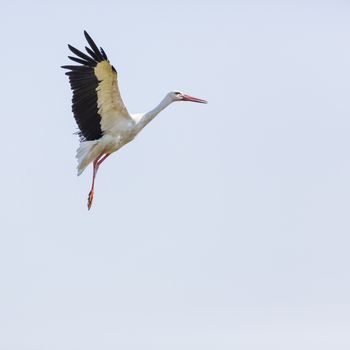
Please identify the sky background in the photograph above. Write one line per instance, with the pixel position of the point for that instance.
(221, 226)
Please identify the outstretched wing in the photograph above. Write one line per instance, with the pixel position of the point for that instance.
(96, 104)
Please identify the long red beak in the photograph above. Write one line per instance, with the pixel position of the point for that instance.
(192, 99)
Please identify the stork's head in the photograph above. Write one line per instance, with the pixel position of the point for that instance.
(179, 96)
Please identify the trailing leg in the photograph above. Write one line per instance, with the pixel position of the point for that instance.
(96, 164)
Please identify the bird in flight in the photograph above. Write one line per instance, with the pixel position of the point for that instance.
(104, 123)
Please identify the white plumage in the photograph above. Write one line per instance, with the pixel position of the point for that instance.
(104, 123)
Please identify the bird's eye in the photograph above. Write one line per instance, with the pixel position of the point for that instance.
(177, 93)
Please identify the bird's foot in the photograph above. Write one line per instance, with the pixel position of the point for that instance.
(90, 199)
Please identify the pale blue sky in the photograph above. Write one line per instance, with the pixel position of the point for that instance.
(222, 226)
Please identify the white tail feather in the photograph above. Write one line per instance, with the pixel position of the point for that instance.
(85, 154)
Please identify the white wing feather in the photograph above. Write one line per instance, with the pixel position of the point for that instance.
(110, 105)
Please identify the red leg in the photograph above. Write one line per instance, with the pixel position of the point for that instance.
(96, 164)
(91, 193)
(101, 159)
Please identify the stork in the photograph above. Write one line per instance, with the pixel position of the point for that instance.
(104, 123)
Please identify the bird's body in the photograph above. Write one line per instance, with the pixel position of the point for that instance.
(119, 133)
(104, 123)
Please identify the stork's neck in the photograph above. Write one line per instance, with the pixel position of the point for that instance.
(147, 117)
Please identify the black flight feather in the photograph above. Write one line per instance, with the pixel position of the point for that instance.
(77, 68)
(81, 54)
(84, 62)
(93, 45)
(92, 54)
(103, 54)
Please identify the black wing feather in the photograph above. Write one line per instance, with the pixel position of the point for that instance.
(84, 83)
(92, 54)
(81, 54)
(103, 54)
(77, 68)
(93, 45)
(84, 62)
